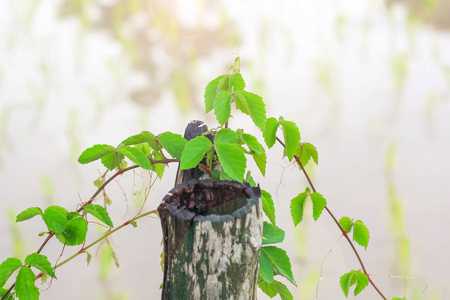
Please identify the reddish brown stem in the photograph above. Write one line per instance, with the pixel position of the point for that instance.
(297, 159)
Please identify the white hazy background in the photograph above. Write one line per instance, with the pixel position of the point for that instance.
(368, 84)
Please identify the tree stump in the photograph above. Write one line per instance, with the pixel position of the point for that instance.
(212, 240)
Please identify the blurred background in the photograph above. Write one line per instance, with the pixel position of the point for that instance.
(367, 81)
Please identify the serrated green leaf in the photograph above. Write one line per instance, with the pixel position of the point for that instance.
(143, 137)
(284, 292)
(194, 151)
(74, 232)
(237, 82)
(41, 263)
(28, 214)
(99, 212)
(222, 107)
(257, 109)
(361, 282)
(226, 136)
(232, 159)
(173, 143)
(319, 203)
(291, 138)
(268, 206)
(71, 215)
(211, 92)
(354, 277)
(346, 224)
(25, 288)
(241, 103)
(361, 233)
(268, 288)
(265, 268)
(158, 168)
(298, 207)
(8, 267)
(260, 161)
(136, 156)
(306, 151)
(270, 131)
(279, 261)
(95, 152)
(55, 218)
(112, 160)
(272, 234)
(252, 143)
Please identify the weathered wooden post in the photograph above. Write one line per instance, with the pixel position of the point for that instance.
(212, 239)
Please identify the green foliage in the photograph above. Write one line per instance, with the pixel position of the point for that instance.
(361, 233)
(256, 107)
(136, 156)
(291, 137)
(74, 232)
(41, 263)
(95, 152)
(28, 214)
(173, 143)
(298, 206)
(211, 91)
(143, 137)
(25, 288)
(3, 292)
(232, 160)
(275, 261)
(7, 268)
(272, 234)
(319, 204)
(222, 107)
(194, 151)
(270, 131)
(268, 206)
(55, 218)
(226, 136)
(305, 152)
(346, 224)
(398, 298)
(351, 278)
(99, 212)
(275, 288)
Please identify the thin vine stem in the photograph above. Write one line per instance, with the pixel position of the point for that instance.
(344, 233)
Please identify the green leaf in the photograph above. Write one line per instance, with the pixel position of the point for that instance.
(272, 234)
(268, 206)
(241, 103)
(268, 288)
(55, 218)
(265, 267)
(279, 261)
(249, 179)
(222, 107)
(260, 161)
(71, 215)
(99, 212)
(136, 156)
(270, 131)
(319, 203)
(95, 152)
(346, 224)
(226, 136)
(25, 288)
(194, 151)
(28, 214)
(291, 138)
(143, 137)
(158, 168)
(307, 151)
(173, 143)
(354, 277)
(41, 263)
(361, 233)
(237, 82)
(252, 143)
(8, 267)
(257, 109)
(211, 92)
(298, 207)
(112, 160)
(232, 159)
(75, 232)
(284, 292)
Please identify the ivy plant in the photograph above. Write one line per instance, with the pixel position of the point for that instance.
(231, 148)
